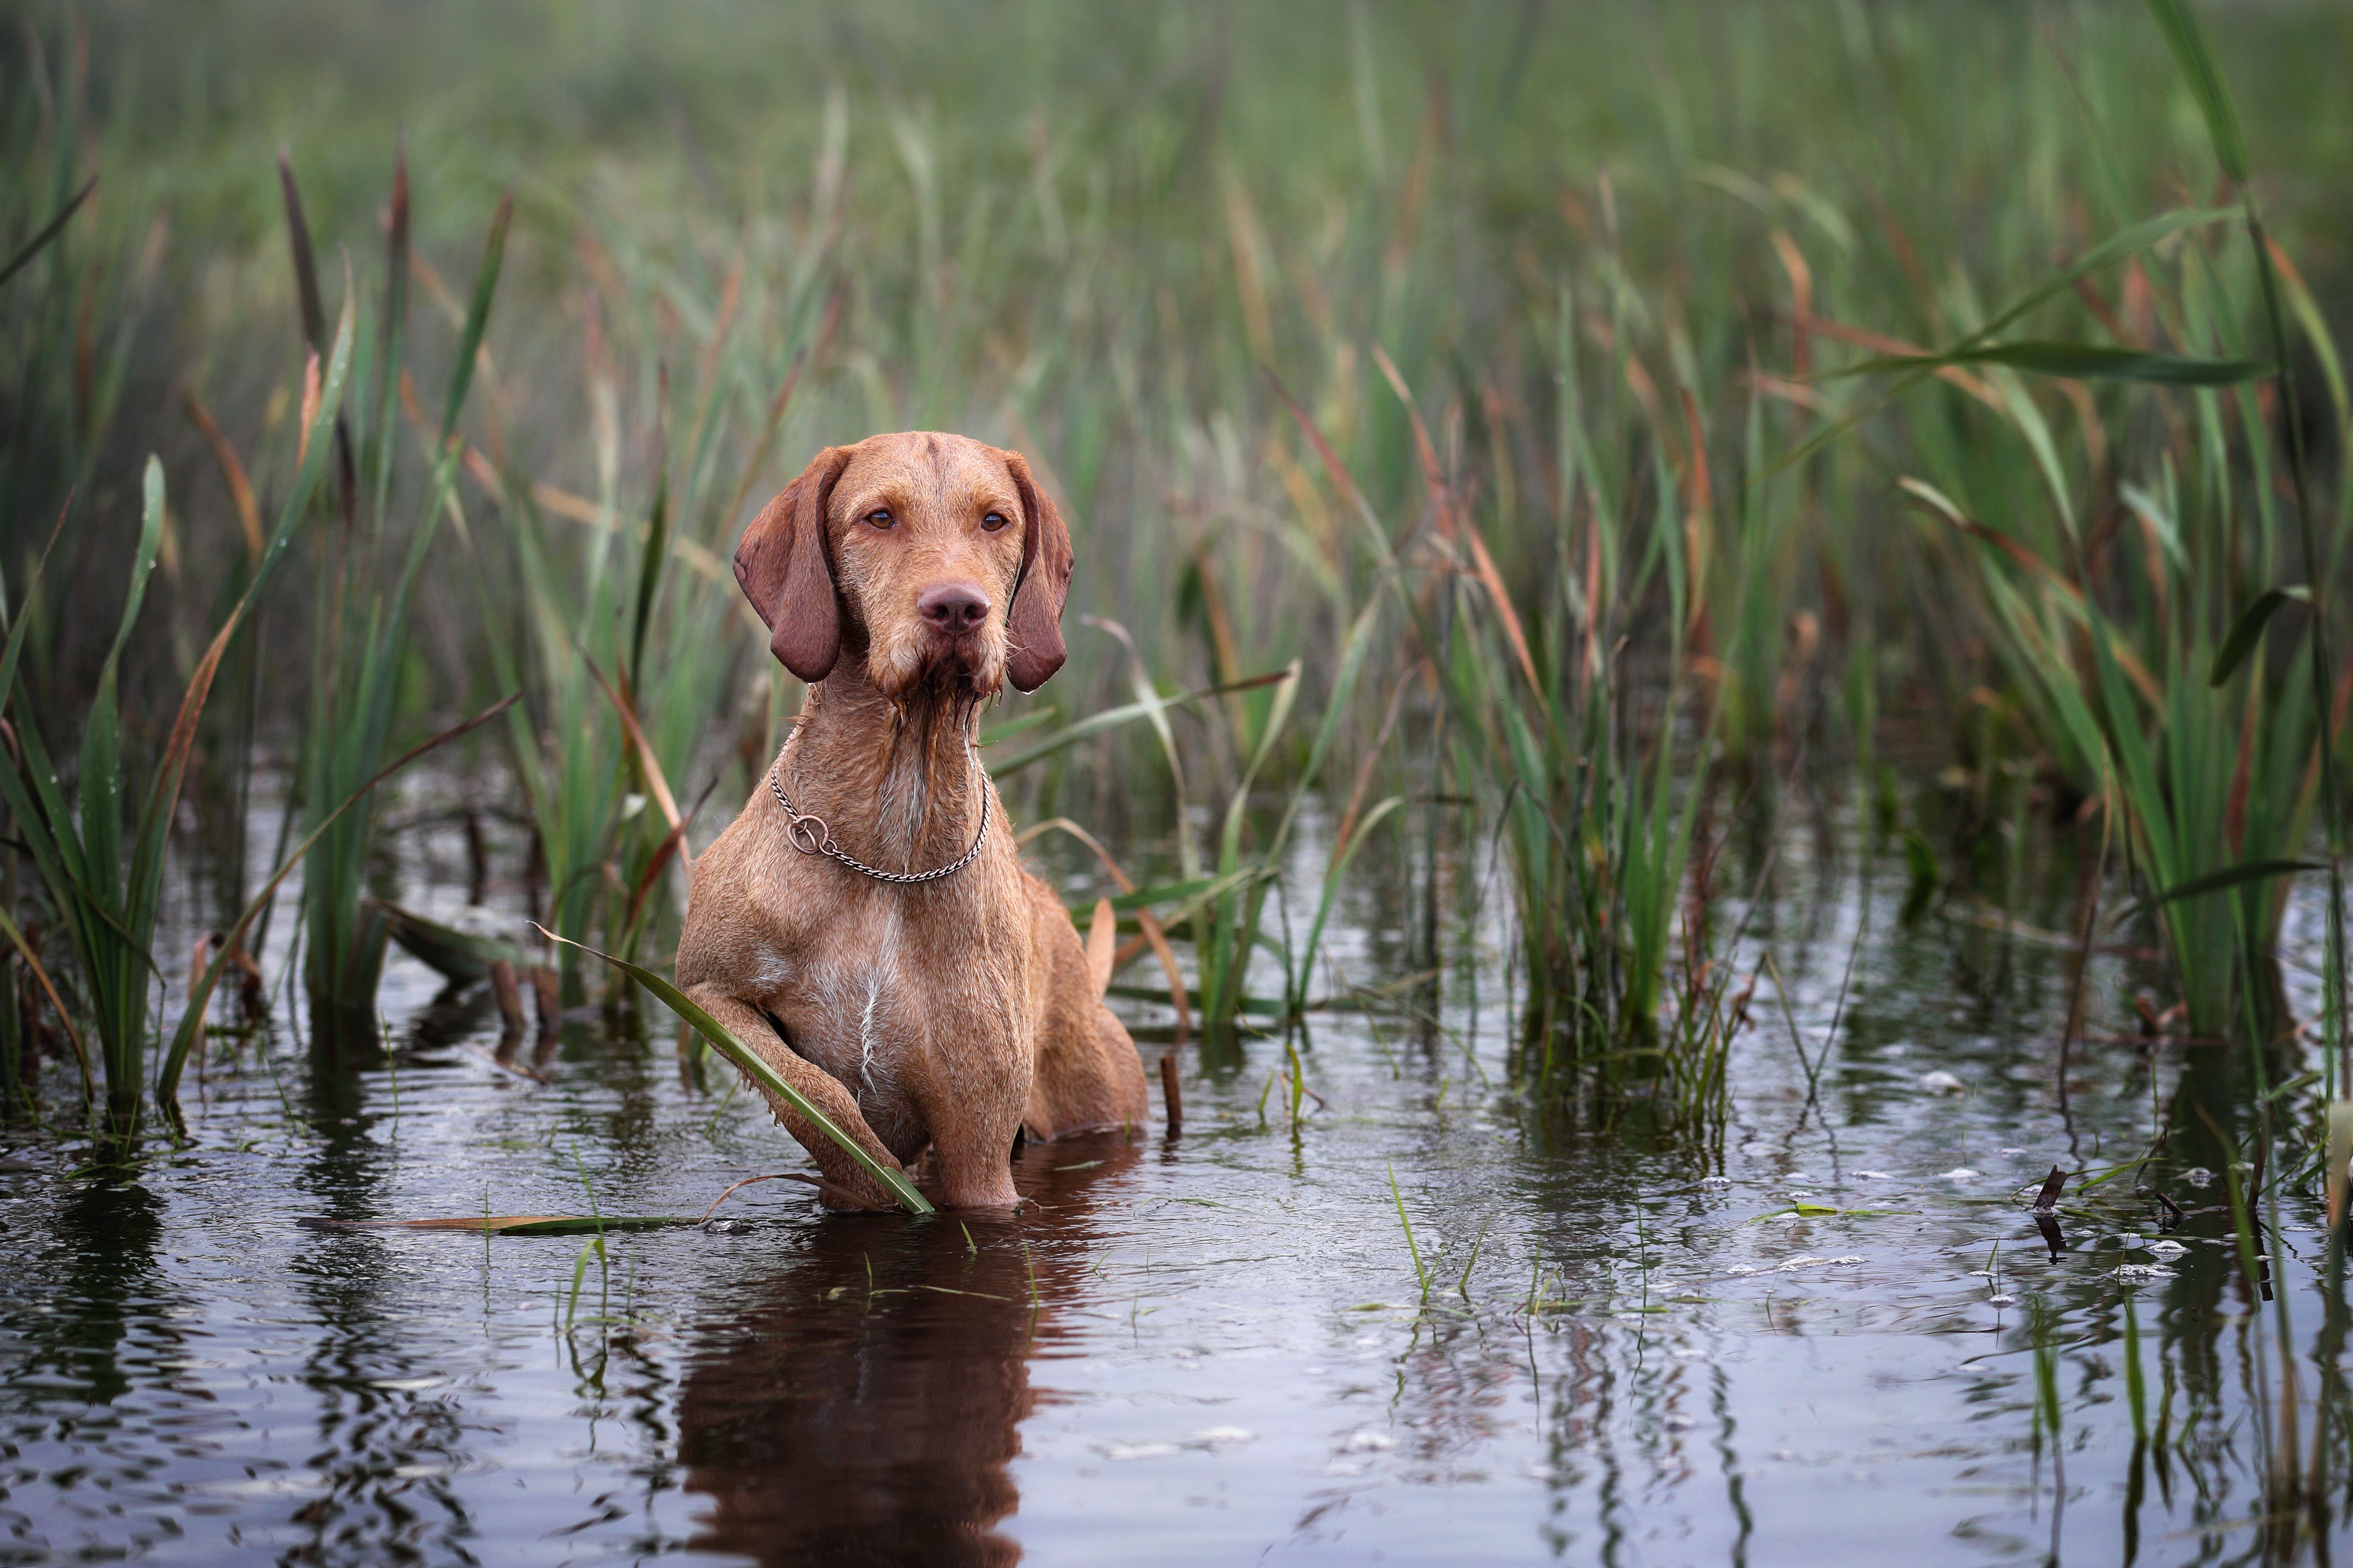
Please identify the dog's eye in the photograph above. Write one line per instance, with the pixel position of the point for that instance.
(879, 516)
(993, 522)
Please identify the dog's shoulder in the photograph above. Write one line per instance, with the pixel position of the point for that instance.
(740, 909)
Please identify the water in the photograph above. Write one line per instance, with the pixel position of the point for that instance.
(1209, 1349)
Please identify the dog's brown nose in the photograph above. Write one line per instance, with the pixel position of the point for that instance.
(954, 608)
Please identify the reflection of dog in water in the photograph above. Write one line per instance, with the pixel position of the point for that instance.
(865, 1410)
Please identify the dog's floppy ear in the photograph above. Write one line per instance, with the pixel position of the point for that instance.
(782, 569)
(1034, 624)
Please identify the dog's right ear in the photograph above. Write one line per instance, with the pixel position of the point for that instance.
(782, 569)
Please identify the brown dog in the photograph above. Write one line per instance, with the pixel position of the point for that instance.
(905, 578)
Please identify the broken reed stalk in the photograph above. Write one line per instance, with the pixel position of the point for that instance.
(1171, 1094)
(509, 993)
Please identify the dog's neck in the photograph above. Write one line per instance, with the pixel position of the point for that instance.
(892, 777)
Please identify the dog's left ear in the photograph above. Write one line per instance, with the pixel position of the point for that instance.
(1034, 624)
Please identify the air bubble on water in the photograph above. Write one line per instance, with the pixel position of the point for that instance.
(1222, 1437)
(1136, 1450)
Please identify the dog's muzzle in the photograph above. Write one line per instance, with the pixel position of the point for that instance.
(954, 614)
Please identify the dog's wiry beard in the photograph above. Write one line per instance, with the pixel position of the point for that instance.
(904, 666)
(942, 702)
(927, 777)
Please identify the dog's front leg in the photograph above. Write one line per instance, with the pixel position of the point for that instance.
(749, 1025)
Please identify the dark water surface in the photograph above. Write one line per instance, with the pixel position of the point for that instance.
(1211, 1349)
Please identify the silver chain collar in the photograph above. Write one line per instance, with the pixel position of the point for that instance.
(810, 836)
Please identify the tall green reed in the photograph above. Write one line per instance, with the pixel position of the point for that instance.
(2128, 638)
(360, 615)
(108, 894)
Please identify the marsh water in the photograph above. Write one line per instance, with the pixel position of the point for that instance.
(1619, 1344)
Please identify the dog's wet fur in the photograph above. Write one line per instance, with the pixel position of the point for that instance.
(907, 579)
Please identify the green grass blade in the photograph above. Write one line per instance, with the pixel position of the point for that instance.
(38, 805)
(2136, 1384)
(478, 317)
(1112, 718)
(2183, 36)
(383, 401)
(1332, 877)
(55, 227)
(155, 819)
(2138, 237)
(101, 771)
(2249, 628)
(306, 265)
(1163, 893)
(649, 574)
(2218, 881)
(2082, 362)
(749, 1064)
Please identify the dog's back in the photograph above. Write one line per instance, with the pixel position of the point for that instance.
(1088, 1076)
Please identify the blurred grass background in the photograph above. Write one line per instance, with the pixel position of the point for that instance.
(1096, 232)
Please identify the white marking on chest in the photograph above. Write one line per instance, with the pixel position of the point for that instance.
(882, 971)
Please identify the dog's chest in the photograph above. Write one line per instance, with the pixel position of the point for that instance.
(888, 999)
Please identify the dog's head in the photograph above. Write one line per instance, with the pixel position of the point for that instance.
(933, 557)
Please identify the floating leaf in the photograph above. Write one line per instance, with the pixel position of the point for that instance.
(515, 1224)
(455, 954)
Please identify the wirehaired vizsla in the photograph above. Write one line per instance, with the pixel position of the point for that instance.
(864, 924)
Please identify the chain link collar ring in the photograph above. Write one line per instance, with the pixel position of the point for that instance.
(810, 836)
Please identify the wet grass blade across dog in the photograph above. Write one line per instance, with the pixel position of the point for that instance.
(753, 1067)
